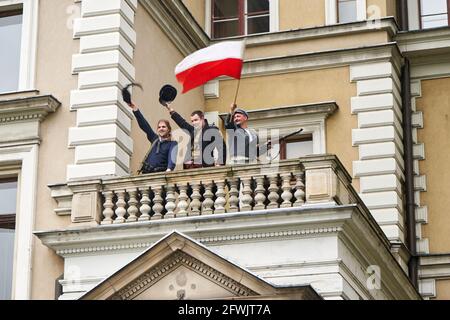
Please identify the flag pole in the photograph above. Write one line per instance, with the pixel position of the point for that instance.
(237, 91)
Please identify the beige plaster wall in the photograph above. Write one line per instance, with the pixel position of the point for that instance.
(443, 289)
(53, 76)
(301, 14)
(197, 9)
(435, 105)
(317, 45)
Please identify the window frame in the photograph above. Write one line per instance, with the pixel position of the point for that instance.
(420, 15)
(27, 72)
(273, 18)
(331, 11)
(297, 138)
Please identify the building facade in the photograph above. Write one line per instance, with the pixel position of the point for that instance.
(353, 207)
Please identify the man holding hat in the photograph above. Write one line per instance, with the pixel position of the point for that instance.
(204, 140)
(242, 141)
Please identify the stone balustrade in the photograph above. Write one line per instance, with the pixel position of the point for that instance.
(315, 180)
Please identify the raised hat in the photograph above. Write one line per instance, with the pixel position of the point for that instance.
(126, 96)
(167, 94)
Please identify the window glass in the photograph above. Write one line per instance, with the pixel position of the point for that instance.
(347, 10)
(434, 13)
(8, 197)
(10, 42)
(226, 8)
(258, 24)
(256, 6)
(297, 149)
(238, 17)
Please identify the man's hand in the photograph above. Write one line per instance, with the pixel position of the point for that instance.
(168, 170)
(133, 106)
(169, 108)
(233, 107)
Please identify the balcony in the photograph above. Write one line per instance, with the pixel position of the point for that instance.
(292, 223)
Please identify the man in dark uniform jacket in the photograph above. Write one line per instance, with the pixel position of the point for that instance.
(204, 140)
(163, 153)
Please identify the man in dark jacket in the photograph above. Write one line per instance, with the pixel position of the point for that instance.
(204, 139)
(163, 153)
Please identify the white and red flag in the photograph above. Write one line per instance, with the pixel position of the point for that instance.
(221, 59)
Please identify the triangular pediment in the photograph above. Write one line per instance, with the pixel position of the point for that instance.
(178, 267)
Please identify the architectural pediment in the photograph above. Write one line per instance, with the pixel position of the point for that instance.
(178, 267)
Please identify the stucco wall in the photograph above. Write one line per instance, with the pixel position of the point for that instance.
(301, 14)
(435, 105)
(443, 289)
(197, 9)
(53, 76)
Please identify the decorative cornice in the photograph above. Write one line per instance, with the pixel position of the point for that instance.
(177, 23)
(427, 41)
(324, 108)
(211, 239)
(149, 278)
(323, 59)
(27, 109)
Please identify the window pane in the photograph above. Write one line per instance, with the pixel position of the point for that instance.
(226, 8)
(297, 149)
(6, 263)
(226, 29)
(8, 197)
(347, 11)
(433, 7)
(435, 21)
(10, 39)
(257, 6)
(258, 24)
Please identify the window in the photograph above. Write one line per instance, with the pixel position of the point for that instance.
(347, 11)
(8, 196)
(239, 17)
(434, 13)
(10, 40)
(296, 147)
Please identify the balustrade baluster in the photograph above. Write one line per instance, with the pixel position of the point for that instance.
(234, 193)
(300, 190)
(108, 205)
(196, 196)
(219, 205)
(157, 204)
(132, 206)
(287, 193)
(170, 202)
(208, 201)
(120, 210)
(145, 206)
(273, 195)
(246, 195)
(260, 197)
(182, 201)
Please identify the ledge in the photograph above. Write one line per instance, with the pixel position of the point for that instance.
(28, 108)
(386, 24)
(326, 108)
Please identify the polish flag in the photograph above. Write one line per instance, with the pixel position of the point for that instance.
(225, 58)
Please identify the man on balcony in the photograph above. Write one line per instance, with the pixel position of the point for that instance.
(163, 153)
(205, 139)
(242, 141)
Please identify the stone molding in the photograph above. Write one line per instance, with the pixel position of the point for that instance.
(172, 262)
(29, 108)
